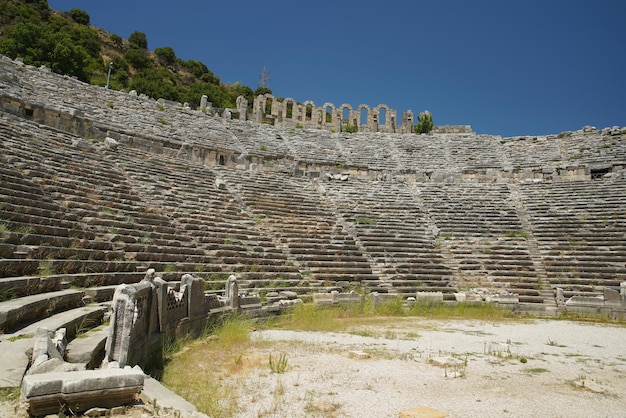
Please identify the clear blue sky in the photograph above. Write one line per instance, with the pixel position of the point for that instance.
(505, 67)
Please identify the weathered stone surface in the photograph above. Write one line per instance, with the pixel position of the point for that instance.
(436, 297)
(105, 388)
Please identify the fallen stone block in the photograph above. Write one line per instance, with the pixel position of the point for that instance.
(81, 390)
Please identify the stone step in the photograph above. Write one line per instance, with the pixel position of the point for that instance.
(89, 347)
(19, 313)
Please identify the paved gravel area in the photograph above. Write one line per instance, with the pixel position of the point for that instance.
(460, 368)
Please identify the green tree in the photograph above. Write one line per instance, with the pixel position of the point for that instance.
(79, 16)
(69, 58)
(262, 90)
(166, 55)
(425, 123)
(137, 59)
(138, 39)
(156, 83)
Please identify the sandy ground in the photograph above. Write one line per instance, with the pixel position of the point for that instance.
(535, 368)
(518, 369)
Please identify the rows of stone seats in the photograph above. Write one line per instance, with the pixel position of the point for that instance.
(425, 152)
(115, 110)
(479, 229)
(581, 231)
(314, 145)
(531, 152)
(148, 117)
(377, 151)
(291, 211)
(257, 140)
(392, 227)
(592, 147)
(475, 152)
(209, 214)
(99, 232)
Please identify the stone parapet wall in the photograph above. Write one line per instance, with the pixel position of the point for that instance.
(452, 129)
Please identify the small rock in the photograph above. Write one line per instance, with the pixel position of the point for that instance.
(362, 355)
(96, 412)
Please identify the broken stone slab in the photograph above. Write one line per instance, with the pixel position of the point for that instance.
(593, 301)
(88, 348)
(54, 365)
(81, 390)
(14, 361)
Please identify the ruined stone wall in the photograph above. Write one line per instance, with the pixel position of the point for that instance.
(289, 113)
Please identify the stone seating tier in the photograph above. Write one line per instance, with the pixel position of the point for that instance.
(162, 199)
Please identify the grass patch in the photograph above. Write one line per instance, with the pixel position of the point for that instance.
(204, 371)
(307, 317)
(19, 337)
(480, 311)
(9, 394)
(278, 364)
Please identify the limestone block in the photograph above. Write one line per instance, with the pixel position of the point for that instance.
(249, 301)
(86, 389)
(508, 299)
(429, 296)
(110, 143)
(323, 299)
(612, 297)
(288, 294)
(460, 297)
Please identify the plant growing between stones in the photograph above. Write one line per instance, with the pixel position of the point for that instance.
(351, 129)
(278, 365)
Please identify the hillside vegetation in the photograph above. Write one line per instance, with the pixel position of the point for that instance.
(67, 44)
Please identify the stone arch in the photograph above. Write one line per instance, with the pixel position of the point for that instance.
(382, 111)
(325, 107)
(346, 116)
(269, 104)
(363, 124)
(289, 108)
(390, 120)
(309, 109)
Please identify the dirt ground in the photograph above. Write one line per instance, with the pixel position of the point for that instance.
(461, 368)
(537, 368)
